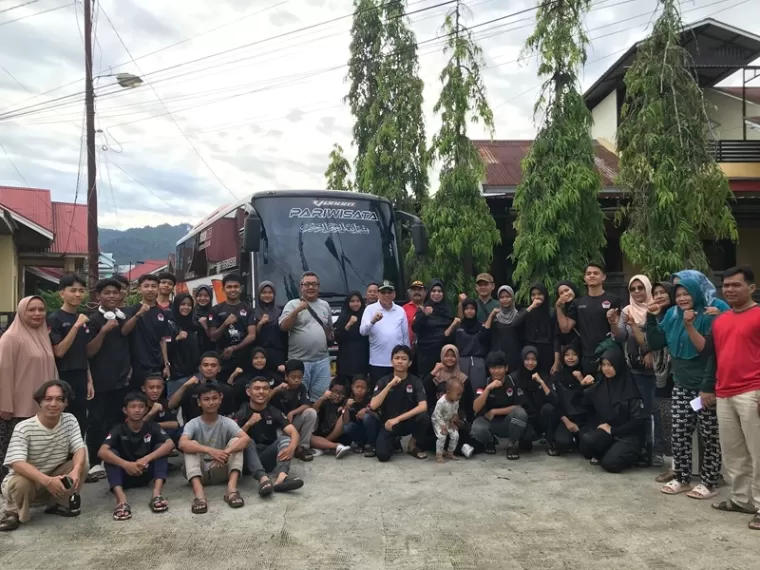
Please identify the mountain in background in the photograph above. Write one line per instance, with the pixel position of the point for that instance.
(140, 244)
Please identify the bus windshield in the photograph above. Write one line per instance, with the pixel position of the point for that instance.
(349, 244)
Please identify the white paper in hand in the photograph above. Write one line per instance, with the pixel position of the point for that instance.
(696, 404)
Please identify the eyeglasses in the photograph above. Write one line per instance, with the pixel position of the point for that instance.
(310, 284)
(637, 289)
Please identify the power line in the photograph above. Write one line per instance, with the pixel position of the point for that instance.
(18, 6)
(36, 14)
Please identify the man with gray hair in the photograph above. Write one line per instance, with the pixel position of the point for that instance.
(308, 322)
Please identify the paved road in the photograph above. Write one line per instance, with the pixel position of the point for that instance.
(356, 514)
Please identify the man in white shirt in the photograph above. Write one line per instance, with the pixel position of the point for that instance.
(386, 325)
(38, 457)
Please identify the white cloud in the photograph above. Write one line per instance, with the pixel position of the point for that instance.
(262, 115)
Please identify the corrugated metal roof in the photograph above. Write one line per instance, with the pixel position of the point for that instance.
(503, 160)
(149, 266)
(70, 223)
(752, 94)
(32, 203)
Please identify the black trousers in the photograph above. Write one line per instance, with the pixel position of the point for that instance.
(105, 411)
(614, 455)
(77, 405)
(417, 427)
(564, 439)
(375, 373)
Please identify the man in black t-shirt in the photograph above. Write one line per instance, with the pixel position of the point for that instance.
(401, 403)
(69, 332)
(108, 351)
(148, 328)
(186, 396)
(135, 453)
(588, 315)
(232, 327)
(498, 411)
(270, 450)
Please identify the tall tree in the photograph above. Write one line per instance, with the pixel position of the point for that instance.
(678, 193)
(367, 33)
(338, 173)
(396, 161)
(462, 231)
(560, 224)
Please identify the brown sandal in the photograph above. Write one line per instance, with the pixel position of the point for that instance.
(234, 500)
(200, 506)
(417, 453)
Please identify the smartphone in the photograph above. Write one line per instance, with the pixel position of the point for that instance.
(68, 482)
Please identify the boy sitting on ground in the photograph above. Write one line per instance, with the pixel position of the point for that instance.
(269, 451)
(292, 399)
(212, 445)
(158, 408)
(329, 429)
(135, 454)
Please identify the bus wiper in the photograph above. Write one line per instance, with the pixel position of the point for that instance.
(330, 294)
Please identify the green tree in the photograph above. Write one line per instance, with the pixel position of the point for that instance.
(367, 32)
(678, 193)
(338, 173)
(396, 160)
(462, 231)
(560, 225)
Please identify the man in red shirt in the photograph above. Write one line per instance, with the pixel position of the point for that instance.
(735, 358)
(417, 295)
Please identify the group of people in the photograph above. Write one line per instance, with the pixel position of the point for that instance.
(242, 389)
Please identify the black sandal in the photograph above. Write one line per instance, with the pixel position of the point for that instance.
(200, 506)
(513, 453)
(490, 448)
(158, 504)
(289, 484)
(62, 511)
(729, 506)
(417, 453)
(122, 512)
(265, 487)
(9, 522)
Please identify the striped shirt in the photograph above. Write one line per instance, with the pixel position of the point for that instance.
(44, 448)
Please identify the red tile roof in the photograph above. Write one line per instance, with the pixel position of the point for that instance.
(70, 226)
(149, 266)
(503, 162)
(752, 94)
(32, 203)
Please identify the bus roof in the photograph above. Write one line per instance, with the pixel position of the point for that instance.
(225, 210)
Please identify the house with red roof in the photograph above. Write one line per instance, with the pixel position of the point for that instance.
(40, 240)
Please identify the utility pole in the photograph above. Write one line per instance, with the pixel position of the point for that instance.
(93, 249)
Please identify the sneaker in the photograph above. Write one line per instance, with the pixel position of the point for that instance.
(342, 451)
(96, 473)
(315, 452)
(467, 450)
(369, 451)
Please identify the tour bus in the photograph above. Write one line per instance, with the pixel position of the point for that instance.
(349, 239)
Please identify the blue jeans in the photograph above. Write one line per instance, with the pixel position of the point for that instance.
(316, 377)
(371, 427)
(356, 432)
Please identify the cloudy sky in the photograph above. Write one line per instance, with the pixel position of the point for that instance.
(241, 95)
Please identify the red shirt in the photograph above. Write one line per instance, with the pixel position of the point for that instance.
(410, 309)
(737, 352)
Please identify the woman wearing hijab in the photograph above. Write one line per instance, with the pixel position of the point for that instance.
(541, 330)
(185, 346)
(628, 328)
(573, 411)
(431, 322)
(566, 293)
(203, 302)
(709, 292)
(268, 333)
(663, 295)
(537, 399)
(506, 332)
(26, 362)
(472, 340)
(683, 330)
(616, 430)
(353, 348)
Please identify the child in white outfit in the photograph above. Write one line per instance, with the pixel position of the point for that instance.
(445, 421)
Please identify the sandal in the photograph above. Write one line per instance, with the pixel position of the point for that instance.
(730, 507)
(490, 449)
(62, 511)
(234, 500)
(158, 504)
(754, 524)
(122, 512)
(665, 477)
(702, 492)
(417, 453)
(513, 453)
(552, 451)
(9, 522)
(200, 506)
(675, 487)
(289, 484)
(265, 487)
(594, 461)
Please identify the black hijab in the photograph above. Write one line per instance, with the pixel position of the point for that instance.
(263, 308)
(441, 308)
(184, 323)
(568, 284)
(525, 376)
(470, 326)
(539, 323)
(564, 376)
(670, 289)
(346, 312)
(611, 391)
(200, 311)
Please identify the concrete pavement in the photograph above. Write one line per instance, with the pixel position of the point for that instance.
(539, 513)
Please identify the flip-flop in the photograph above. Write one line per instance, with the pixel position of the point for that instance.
(675, 487)
(702, 492)
(122, 512)
(158, 504)
(289, 484)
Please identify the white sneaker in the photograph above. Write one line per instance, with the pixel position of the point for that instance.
(96, 473)
(342, 451)
(467, 450)
(316, 452)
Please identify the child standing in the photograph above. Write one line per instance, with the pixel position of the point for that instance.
(446, 421)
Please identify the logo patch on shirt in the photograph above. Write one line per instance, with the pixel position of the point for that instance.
(509, 392)
(480, 391)
(146, 438)
(409, 389)
(519, 392)
(606, 304)
(161, 317)
(269, 421)
(108, 437)
(66, 325)
(243, 312)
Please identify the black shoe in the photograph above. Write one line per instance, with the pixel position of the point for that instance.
(75, 502)
(490, 448)
(552, 450)
(369, 451)
(397, 448)
(513, 452)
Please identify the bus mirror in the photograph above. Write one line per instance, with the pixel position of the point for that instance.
(419, 238)
(252, 233)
